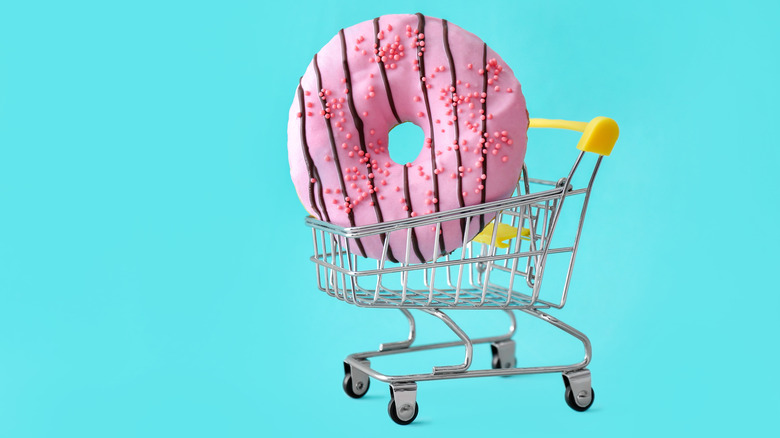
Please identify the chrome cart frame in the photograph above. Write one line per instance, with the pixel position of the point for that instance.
(501, 269)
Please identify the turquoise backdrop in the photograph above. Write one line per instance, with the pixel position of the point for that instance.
(154, 272)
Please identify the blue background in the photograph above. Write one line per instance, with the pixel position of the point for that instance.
(154, 273)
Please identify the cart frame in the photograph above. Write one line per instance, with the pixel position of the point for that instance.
(501, 269)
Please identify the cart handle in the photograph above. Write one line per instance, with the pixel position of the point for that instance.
(598, 136)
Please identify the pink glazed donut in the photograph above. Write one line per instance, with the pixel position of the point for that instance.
(395, 69)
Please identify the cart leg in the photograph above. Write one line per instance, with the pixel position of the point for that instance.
(356, 382)
(463, 337)
(403, 402)
(503, 354)
(402, 344)
(579, 393)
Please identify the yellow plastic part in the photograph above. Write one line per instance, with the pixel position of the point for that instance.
(504, 234)
(598, 136)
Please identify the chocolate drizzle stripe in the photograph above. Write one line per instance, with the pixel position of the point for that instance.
(361, 135)
(320, 195)
(333, 149)
(434, 175)
(415, 244)
(484, 129)
(306, 156)
(383, 72)
(454, 79)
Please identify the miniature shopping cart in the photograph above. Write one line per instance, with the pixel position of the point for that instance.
(501, 269)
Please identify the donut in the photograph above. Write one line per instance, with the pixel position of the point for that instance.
(394, 69)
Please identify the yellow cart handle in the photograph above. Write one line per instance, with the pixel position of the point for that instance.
(598, 136)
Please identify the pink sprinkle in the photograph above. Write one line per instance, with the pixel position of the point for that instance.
(313, 180)
(504, 159)
(508, 90)
(420, 114)
(497, 88)
(397, 189)
(365, 113)
(327, 158)
(414, 213)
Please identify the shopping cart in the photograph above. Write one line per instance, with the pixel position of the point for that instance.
(501, 269)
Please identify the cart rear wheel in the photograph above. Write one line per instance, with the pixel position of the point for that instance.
(503, 355)
(572, 401)
(362, 388)
(394, 415)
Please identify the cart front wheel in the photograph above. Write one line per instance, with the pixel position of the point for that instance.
(394, 414)
(571, 400)
(350, 390)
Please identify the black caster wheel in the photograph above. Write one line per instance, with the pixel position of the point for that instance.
(572, 402)
(394, 414)
(499, 364)
(347, 385)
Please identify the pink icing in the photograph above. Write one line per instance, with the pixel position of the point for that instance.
(339, 192)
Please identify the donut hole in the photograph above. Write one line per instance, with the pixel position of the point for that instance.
(405, 142)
